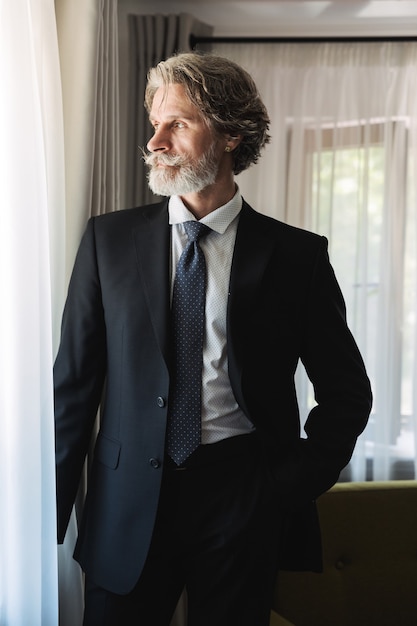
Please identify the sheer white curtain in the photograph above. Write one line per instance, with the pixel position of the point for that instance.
(31, 284)
(343, 162)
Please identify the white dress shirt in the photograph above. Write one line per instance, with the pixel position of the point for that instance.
(221, 415)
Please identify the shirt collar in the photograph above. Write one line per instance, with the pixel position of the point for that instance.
(217, 220)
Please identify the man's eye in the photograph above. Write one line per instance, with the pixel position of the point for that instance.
(179, 125)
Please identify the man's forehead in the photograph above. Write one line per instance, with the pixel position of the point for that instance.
(173, 101)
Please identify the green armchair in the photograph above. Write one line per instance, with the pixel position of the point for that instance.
(370, 561)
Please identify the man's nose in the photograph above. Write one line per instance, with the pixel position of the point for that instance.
(159, 141)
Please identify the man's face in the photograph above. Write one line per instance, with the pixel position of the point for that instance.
(185, 152)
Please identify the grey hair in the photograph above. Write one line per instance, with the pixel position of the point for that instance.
(225, 94)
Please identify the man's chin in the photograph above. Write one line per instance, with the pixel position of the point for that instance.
(161, 185)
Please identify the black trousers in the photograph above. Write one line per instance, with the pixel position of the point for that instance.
(217, 534)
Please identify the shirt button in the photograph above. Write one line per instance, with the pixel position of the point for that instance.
(160, 402)
(154, 463)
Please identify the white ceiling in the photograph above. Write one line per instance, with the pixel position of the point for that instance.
(295, 17)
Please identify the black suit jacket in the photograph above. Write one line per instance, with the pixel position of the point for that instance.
(284, 305)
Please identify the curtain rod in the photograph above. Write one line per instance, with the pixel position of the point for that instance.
(195, 40)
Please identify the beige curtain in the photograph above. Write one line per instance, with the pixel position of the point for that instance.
(88, 50)
(87, 34)
(151, 38)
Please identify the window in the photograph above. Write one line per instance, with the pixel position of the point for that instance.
(356, 194)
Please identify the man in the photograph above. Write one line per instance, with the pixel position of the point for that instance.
(218, 517)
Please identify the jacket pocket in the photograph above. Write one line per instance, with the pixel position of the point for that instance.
(107, 451)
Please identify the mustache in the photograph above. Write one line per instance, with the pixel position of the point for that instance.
(153, 159)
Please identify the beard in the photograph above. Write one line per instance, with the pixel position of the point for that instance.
(184, 175)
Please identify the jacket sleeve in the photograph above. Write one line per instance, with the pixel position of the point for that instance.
(341, 389)
(79, 373)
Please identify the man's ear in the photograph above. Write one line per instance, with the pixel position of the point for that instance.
(232, 141)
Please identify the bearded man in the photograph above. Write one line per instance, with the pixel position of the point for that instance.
(186, 319)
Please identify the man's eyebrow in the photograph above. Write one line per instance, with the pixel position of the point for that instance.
(176, 116)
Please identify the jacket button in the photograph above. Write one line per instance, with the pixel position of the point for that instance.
(154, 463)
(160, 401)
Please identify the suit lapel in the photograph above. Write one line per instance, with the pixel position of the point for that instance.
(152, 245)
(253, 249)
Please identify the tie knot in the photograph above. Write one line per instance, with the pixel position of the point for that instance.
(195, 230)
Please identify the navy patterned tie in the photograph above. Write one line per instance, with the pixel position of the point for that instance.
(188, 312)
